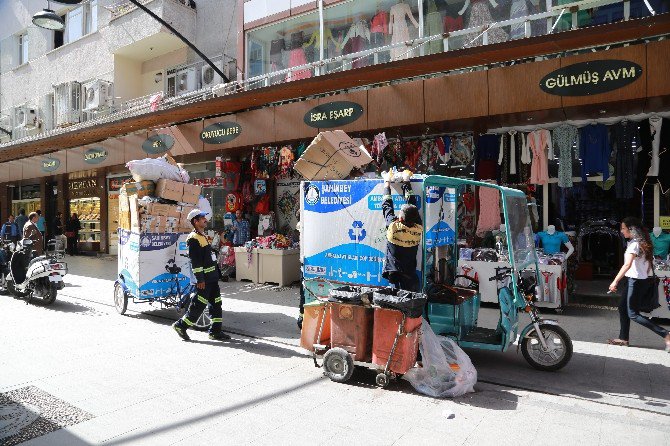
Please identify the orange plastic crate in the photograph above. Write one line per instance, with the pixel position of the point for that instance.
(351, 329)
(311, 322)
(385, 328)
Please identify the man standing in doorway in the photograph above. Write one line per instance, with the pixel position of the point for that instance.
(21, 220)
(10, 231)
(241, 229)
(31, 232)
(203, 265)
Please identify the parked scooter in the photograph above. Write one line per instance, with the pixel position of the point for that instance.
(33, 276)
(6, 249)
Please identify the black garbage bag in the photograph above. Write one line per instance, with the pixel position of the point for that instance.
(351, 294)
(409, 303)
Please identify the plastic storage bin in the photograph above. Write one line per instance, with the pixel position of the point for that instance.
(351, 329)
(245, 270)
(311, 323)
(386, 324)
(280, 266)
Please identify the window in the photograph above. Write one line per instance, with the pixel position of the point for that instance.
(74, 24)
(23, 48)
(59, 36)
(92, 17)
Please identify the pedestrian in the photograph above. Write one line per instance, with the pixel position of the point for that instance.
(10, 231)
(21, 220)
(241, 229)
(41, 224)
(31, 232)
(57, 230)
(208, 294)
(639, 280)
(72, 228)
(403, 238)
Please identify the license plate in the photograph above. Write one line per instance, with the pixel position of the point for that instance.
(55, 279)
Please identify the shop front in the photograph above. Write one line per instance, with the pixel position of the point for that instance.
(84, 191)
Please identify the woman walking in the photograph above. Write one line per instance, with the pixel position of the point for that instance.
(72, 228)
(638, 272)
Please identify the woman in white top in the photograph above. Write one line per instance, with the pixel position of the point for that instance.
(637, 269)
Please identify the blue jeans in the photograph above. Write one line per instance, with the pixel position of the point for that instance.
(627, 314)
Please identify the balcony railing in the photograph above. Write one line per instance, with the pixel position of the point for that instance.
(122, 8)
(465, 37)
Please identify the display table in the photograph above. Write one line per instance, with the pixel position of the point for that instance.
(245, 269)
(280, 266)
(663, 311)
(552, 279)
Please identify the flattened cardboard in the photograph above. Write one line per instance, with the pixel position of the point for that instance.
(332, 155)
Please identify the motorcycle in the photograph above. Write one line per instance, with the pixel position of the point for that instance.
(6, 249)
(33, 276)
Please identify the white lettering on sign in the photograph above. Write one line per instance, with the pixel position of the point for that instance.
(332, 115)
(210, 134)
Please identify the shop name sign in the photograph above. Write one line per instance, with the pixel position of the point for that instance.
(220, 132)
(588, 78)
(157, 144)
(50, 165)
(333, 114)
(95, 155)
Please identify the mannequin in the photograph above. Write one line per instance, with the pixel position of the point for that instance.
(661, 242)
(399, 29)
(552, 240)
(480, 16)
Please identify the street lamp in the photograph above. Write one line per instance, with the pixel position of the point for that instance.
(50, 20)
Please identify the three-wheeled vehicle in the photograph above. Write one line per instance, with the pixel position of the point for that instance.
(452, 310)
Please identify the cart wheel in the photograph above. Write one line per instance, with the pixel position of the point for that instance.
(338, 365)
(382, 380)
(120, 299)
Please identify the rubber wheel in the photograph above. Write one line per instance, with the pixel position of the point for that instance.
(120, 299)
(338, 365)
(51, 295)
(382, 380)
(560, 346)
(14, 292)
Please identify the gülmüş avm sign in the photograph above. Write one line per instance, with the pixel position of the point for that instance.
(589, 78)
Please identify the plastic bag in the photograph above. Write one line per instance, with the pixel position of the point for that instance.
(155, 169)
(351, 294)
(206, 207)
(447, 371)
(409, 303)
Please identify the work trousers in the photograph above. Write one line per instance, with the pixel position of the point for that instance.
(627, 314)
(209, 297)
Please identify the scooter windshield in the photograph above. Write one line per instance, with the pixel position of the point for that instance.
(521, 238)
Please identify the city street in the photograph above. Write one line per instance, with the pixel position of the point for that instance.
(95, 377)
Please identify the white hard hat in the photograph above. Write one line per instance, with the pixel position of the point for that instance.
(195, 213)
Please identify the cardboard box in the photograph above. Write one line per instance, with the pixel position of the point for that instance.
(134, 213)
(139, 189)
(191, 194)
(332, 155)
(170, 190)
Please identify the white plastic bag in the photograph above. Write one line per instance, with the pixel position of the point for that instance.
(437, 378)
(205, 206)
(155, 169)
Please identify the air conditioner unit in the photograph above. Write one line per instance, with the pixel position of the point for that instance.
(67, 103)
(98, 95)
(209, 77)
(25, 117)
(187, 80)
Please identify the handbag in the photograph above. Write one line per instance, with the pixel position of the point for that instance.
(69, 234)
(651, 302)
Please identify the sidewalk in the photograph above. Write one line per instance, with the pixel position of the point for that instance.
(134, 382)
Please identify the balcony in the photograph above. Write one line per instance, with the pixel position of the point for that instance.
(133, 34)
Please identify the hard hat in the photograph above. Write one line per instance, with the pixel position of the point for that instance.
(194, 214)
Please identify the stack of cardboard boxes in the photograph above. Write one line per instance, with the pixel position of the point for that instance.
(143, 216)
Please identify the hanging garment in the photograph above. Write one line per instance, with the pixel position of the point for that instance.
(661, 244)
(564, 139)
(594, 150)
(654, 155)
(297, 58)
(454, 24)
(625, 135)
(380, 23)
(276, 54)
(286, 159)
(489, 210)
(518, 9)
(513, 169)
(486, 157)
(538, 142)
(480, 16)
(462, 150)
(434, 26)
(399, 29)
(354, 45)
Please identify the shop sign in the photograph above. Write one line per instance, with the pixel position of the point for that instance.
(82, 188)
(207, 182)
(589, 78)
(115, 184)
(157, 144)
(333, 114)
(50, 164)
(664, 222)
(95, 155)
(220, 132)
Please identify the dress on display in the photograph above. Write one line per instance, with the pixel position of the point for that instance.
(624, 136)
(538, 142)
(276, 54)
(486, 157)
(518, 9)
(564, 138)
(434, 27)
(462, 150)
(356, 40)
(594, 150)
(654, 155)
(399, 29)
(480, 16)
(379, 29)
(489, 210)
(297, 58)
(515, 168)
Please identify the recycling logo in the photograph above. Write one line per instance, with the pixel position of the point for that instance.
(357, 233)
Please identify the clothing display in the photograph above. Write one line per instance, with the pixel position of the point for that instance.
(297, 58)
(357, 40)
(486, 159)
(539, 141)
(518, 9)
(277, 48)
(564, 138)
(654, 153)
(551, 243)
(462, 150)
(515, 168)
(399, 29)
(661, 244)
(624, 137)
(480, 16)
(594, 150)
(434, 26)
(380, 23)
(489, 210)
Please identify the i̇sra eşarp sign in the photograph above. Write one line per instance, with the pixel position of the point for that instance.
(333, 114)
(589, 78)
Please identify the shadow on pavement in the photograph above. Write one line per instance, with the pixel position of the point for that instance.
(253, 347)
(63, 306)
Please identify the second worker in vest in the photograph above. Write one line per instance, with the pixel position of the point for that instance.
(203, 264)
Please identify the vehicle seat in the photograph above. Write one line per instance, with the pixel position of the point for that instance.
(19, 266)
